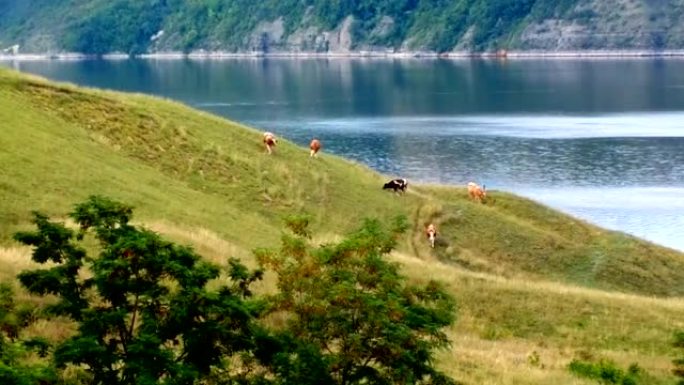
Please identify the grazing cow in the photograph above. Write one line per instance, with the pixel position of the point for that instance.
(431, 232)
(315, 146)
(476, 192)
(270, 141)
(396, 185)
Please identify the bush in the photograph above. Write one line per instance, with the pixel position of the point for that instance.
(606, 372)
(352, 317)
(142, 306)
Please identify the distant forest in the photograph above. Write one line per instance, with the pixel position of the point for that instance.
(139, 26)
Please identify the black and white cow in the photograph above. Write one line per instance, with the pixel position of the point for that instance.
(396, 185)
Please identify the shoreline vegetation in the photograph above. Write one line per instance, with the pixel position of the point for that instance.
(503, 54)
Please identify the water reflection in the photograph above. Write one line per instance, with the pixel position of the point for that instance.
(352, 88)
(436, 153)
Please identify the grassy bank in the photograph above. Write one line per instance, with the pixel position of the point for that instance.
(530, 281)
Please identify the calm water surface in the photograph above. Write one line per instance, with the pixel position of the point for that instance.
(602, 140)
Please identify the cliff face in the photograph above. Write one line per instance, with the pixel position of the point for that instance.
(129, 26)
(616, 24)
(271, 37)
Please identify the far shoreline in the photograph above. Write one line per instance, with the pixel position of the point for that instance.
(218, 55)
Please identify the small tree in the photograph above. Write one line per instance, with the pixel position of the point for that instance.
(351, 316)
(143, 309)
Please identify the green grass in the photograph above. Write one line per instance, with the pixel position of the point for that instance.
(527, 278)
(169, 161)
(518, 237)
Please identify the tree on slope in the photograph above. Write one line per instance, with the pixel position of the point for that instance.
(142, 306)
(352, 318)
(146, 316)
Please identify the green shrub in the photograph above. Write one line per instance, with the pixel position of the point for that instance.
(606, 372)
(143, 310)
(352, 317)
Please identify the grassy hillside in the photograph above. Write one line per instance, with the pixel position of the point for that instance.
(97, 26)
(529, 281)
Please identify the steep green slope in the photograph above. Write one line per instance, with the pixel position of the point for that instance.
(61, 143)
(520, 271)
(97, 26)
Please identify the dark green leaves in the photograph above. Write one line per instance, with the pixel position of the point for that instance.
(350, 311)
(145, 314)
(53, 242)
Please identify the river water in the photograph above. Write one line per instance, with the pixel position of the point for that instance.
(602, 140)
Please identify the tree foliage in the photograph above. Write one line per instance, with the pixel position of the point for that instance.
(144, 312)
(119, 26)
(352, 318)
(98, 27)
(146, 315)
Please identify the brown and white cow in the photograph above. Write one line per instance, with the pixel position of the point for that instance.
(431, 233)
(315, 146)
(270, 141)
(476, 192)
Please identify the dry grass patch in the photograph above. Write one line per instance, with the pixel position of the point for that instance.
(476, 361)
(14, 260)
(214, 249)
(434, 269)
(516, 361)
(518, 331)
(207, 243)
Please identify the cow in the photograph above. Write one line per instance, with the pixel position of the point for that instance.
(315, 146)
(270, 141)
(431, 233)
(396, 185)
(476, 192)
